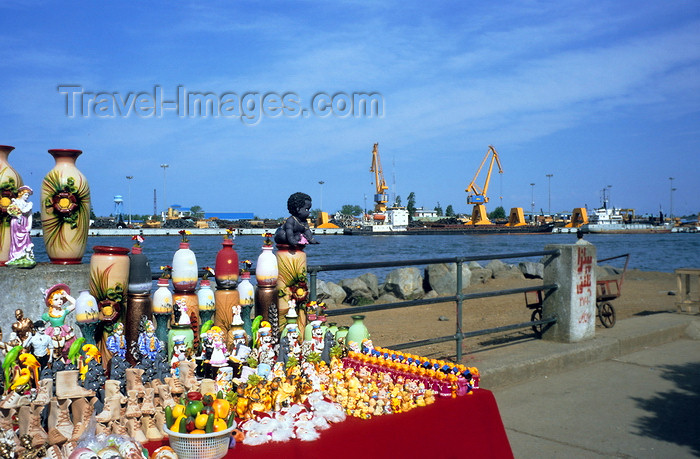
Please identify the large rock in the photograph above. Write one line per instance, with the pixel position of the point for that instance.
(330, 293)
(372, 283)
(387, 298)
(357, 291)
(531, 269)
(442, 278)
(502, 270)
(405, 283)
(479, 275)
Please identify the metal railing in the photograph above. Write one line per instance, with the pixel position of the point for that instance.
(458, 297)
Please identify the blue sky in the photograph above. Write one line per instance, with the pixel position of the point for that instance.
(595, 93)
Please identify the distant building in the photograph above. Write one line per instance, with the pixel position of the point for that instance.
(424, 213)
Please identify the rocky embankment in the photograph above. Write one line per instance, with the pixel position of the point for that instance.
(430, 282)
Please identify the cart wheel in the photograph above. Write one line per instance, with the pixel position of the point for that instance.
(536, 315)
(606, 314)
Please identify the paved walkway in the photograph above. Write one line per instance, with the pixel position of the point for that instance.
(642, 401)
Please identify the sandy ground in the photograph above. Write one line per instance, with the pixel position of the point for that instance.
(643, 293)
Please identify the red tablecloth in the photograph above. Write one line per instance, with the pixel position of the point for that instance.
(464, 427)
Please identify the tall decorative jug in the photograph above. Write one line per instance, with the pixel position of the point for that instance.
(65, 209)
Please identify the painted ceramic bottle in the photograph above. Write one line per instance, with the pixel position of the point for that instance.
(65, 209)
(266, 271)
(109, 278)
(246, 294)
(205, 297)
(162, 307)
(226, 267)
(87, 315)
(139, 271)
(185, 274)
(10, 180)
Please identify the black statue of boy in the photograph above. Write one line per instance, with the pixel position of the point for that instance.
(295, 231)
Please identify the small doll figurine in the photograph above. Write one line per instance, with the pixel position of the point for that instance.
(116, 343)
(21, 245)
(60, 304)
(40, 343)
(149, 345)
(295, 230)
(181, 312)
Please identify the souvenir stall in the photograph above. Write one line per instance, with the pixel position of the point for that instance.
(239, 371)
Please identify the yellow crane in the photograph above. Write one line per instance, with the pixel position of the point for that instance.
(477, 195)
(380, 198)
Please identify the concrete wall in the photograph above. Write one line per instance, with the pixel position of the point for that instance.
(22, 289)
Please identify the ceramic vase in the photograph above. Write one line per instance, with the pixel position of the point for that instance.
(87, 315)
(225, 300)
(291, 265)
(266, 271)
(65, 209)
(109, 277)
(138, 306)
(205, 297)
(226, 266)
(357, 331)
(10, 180)
(140, 277)
(185, 274)
(246, 293)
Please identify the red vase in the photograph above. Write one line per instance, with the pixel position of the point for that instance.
(226, 266)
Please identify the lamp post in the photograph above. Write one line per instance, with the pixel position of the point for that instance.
(128, 178)
(321, 182)
(549, 193)
(671, 193)
(532, 204)
(165, 199)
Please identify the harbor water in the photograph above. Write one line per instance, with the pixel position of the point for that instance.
(649, 252)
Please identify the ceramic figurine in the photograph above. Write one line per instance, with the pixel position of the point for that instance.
(116, 342)
(295, 230)
(179, 354)
(264, 351)
(149, 344)
(289, 344)
(180, 311)
(218, 357)
(21, 246)
(62, 335)
(239, 345)
(23, 327)
(39, 343)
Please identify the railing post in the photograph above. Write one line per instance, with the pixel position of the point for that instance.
(459, 311)
(312, 285)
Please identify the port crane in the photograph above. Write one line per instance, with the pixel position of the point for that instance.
(380, 197)
(477, 195)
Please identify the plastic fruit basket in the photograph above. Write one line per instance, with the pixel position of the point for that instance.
(200, 446)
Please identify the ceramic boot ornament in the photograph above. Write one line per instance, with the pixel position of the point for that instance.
(148, 407)
(132, 404)
(67, 385)
(135, 430)
(165, 395)
(134, 381)
(111, 410)
(151, 431)
(45, 392)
